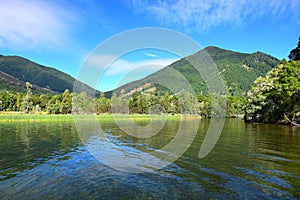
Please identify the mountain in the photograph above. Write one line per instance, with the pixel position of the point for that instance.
(238, 70)
(11, 83)
(15, 71)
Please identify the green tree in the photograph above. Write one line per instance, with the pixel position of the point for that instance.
(143, 103)
(235, 106)
(54, 104)
(66, 102)
(82, 103)
(133, 103)
(295, 53)
(165, 101)
(27, 103)
(119, 104)
(188, 103)
(205, 106)
(276, 95)
(103, 104)
(44, 99)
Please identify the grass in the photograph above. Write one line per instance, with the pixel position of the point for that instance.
(34, 118)
(21, 117)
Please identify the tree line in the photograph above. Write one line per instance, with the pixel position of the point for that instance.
(138, 102)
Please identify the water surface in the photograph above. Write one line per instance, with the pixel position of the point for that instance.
(250, 161)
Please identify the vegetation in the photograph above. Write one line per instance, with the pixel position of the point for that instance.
(138, 102)
(238, 70)
(50, 91)
(15, 71)
(277, 96)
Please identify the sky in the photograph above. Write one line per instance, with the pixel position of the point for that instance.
(62, 34)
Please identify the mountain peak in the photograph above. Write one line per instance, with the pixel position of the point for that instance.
(238, 70)
(25, 70)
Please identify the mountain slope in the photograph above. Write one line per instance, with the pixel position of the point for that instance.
(11, 83)
(238, 70)
(44, 78)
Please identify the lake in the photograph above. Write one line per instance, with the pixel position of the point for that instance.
(48, 160)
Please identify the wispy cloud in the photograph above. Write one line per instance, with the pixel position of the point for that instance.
(151, 55)
(115, 72)
(110, 66)
(201, 15)
(123, 66)
(34, 24)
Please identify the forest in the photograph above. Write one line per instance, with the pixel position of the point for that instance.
(67, 102)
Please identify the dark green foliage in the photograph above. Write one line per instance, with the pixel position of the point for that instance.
(295, 53)
(18, 70)
(276, 95)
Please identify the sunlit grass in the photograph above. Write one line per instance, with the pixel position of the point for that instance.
(34, 118)
(7, 117)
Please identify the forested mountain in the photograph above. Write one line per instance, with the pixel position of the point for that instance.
(11, 83)
(238, 70)
(16, 71)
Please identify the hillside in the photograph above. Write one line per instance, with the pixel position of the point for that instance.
(238, 70)
(16, 71)
(11, 83)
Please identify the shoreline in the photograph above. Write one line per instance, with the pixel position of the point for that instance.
(41, 117)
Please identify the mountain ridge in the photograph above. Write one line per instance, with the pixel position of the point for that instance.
(42, 77)
(238, 70)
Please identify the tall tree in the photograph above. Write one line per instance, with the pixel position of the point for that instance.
(295, 53)
(276, 95)
(66, 102)
(54, 104)
(27, 102)
(103, 104)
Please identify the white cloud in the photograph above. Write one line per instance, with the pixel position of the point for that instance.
(100, 61)
(118, 72)
(113, 66)
(201, 15)
(124, 66)
(151, 55)
(33, 24)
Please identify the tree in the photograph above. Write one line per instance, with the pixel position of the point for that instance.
(188, 103)
(103, 104)
(235, 106)
(295, 53)
(165, 101)
(276, 95)
(54, 104)
(119, 104)
(27, 103)
(44, 99)
(82, 103)
(143, 103)
(66, 102)
(133, 103)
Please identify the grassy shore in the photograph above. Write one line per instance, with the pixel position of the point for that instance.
(42, 117)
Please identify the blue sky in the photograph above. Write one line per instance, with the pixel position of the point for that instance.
(61, 34)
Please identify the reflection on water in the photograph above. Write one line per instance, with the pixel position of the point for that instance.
(48, 160)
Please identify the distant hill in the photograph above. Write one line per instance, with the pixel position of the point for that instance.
(11, 83)
(15, 71)
(238, 70)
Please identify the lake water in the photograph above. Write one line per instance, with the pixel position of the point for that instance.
(47, 160)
